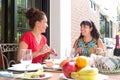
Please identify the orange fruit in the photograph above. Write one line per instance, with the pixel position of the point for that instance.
(63, 62)
(66, 60)
(81, 62)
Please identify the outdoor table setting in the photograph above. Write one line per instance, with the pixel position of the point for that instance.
(105, 68)
(51, 72)
(35, 71)
(28, 70)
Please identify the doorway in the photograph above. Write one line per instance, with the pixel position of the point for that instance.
(14, 23)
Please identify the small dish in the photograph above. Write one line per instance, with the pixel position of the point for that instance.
(52, 67)
(56, 61)
(47, 75)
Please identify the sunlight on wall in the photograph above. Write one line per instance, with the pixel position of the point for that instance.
(65, 25)
(60, 26)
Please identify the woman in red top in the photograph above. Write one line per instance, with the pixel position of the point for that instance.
(34, 39)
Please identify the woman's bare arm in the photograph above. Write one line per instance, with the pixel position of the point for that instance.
(45, 49)
(101, 45)
(75, 46)
(22, 45)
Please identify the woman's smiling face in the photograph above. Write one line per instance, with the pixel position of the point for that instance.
(85, 30)
(42, 25)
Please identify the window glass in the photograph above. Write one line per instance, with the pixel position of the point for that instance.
(105, 27)
(102, 26)
(92, 5)
(21, 23)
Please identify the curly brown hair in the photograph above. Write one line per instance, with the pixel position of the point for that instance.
(34, 15)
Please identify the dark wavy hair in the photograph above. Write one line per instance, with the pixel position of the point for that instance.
(94, 33)
(34, 15)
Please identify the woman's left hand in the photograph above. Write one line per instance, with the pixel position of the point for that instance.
(53, 52)
(47, 49)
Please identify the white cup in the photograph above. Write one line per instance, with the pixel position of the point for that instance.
(109, 52)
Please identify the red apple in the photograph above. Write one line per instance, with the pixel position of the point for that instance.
(68, 68)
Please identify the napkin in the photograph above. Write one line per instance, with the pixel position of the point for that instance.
(6, 74)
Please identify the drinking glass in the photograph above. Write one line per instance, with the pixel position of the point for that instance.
(67, 53)
(72, 53)
(26, 58)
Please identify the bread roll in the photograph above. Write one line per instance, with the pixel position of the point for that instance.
(49, 63)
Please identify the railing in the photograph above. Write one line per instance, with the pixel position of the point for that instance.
(7, 48)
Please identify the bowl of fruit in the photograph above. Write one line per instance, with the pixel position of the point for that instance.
(78, 69)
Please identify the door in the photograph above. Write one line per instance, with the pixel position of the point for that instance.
(13, 23)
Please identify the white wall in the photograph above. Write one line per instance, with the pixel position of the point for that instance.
(60, 26)
(55, 25)
(65, 25)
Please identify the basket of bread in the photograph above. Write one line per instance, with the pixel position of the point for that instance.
(106, 64)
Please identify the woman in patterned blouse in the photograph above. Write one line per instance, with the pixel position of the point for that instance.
(89, 40)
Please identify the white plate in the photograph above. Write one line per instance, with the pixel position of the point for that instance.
(47, 75)
(100, 77)
(55, 61)
(62, 76)
(57, 67)
(20, 67)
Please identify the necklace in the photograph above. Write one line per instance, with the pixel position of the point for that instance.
(37, 38)
(87, 40)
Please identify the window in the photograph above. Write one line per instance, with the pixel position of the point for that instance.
(21, 21)
(92, 5)
(105, 27)
(13, 23)
(110, 29)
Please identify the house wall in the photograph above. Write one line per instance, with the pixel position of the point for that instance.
(65, 19)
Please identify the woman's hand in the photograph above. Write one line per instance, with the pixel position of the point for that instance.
(79, 51)
(98, 51)
(53, 52)
(47, 49)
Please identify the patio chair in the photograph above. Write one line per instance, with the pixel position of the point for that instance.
(5, 49)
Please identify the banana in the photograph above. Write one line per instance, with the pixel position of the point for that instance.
(85, 74)
(88, 71)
